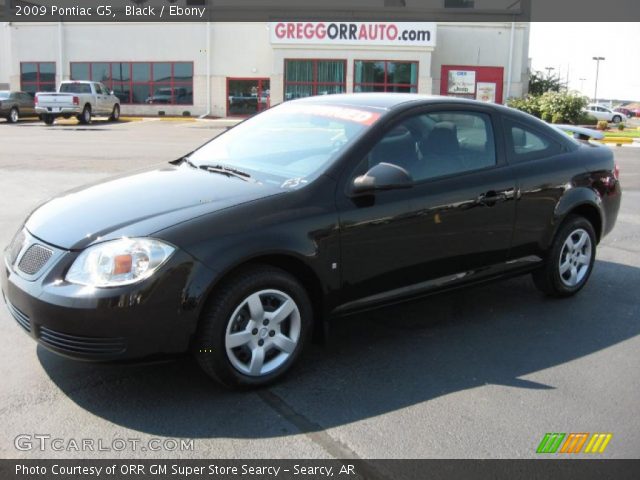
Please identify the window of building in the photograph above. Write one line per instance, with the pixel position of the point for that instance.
(385, 76)
(247, 96)
(304, 78)
(37, 77)
(141, 82)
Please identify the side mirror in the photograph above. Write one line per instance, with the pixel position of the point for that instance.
(111, 93)
(384, 176)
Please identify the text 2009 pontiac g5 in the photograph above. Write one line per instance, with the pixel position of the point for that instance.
(314, 208)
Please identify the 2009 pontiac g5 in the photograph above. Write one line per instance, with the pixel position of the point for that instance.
(314, 208)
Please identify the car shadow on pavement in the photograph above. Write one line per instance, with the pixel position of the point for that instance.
(374, 363)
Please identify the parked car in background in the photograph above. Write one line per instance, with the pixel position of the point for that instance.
(315, 208)
(81, 99)
(14, 105)
(603, 113)
(629, 113)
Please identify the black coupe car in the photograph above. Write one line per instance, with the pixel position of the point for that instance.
(316, 208)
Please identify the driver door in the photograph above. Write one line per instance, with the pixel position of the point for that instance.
(456, 219)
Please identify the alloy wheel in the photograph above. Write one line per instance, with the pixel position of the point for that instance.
(263, 332)
(575, 258)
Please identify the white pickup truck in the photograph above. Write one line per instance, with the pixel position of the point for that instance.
(81, 99)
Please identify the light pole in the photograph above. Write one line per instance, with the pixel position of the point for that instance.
(595, 94)
(582, 84)
(549, 69)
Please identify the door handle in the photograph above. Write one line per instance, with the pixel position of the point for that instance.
(492, 197)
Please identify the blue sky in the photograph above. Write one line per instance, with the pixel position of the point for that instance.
(571, 46)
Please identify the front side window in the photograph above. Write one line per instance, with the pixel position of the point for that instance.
(438, 144)
(385, 76)
(37, 77)
(306, 78)
(141, 82)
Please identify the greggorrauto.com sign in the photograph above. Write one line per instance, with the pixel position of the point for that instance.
(418, 34)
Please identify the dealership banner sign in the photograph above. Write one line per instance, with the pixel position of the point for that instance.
(462, 82)
(416, 34)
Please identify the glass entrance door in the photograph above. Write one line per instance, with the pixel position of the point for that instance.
(247, 96)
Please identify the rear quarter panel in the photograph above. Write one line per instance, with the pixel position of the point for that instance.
(551, 188)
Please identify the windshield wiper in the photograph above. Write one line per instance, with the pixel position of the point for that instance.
(181, 160)
(231, 172)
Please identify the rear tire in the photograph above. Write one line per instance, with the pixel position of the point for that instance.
(85, 117)
(254, 328)
(13, 116)
(570, 260)
(115, 114)
(48, 119)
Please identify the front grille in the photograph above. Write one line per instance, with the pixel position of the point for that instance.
(20, 317)
(16, 246)
(34, 259)
(82, 345)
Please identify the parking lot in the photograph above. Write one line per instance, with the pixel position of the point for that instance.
(478, 373)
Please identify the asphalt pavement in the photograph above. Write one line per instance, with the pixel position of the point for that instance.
(479, 373)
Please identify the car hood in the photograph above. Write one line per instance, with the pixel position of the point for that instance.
(138, 204)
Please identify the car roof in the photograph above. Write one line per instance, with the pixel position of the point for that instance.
(387, 101)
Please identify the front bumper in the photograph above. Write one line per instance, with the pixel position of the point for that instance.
(156, 316)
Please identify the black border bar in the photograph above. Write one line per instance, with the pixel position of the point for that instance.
(334, 10)
(351, 469)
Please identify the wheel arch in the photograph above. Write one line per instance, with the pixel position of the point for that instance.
(591, 213)
(582, 201)
(291, 264)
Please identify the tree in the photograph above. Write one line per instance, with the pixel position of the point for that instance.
(539, 84)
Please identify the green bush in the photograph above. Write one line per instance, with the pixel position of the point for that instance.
(563, 107)
(527, 104)
(586, 119)
(568, 106)
(603, 124)
(621, 126)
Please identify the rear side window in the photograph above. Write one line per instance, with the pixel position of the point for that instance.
(75, 88)
(525, 143)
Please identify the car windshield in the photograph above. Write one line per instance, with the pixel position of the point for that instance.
(290, 143)
(4, 94)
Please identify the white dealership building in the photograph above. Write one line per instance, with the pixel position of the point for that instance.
(234, 69)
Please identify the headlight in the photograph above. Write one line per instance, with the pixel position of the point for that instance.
(119, 262)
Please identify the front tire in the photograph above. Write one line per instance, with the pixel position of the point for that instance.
(254, 328)
(570, 261)
(13, 116)
(115, 114)
(617, 119)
